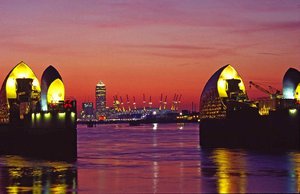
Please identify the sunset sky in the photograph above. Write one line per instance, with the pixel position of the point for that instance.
(151, 47)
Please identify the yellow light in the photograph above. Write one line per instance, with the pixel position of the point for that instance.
(35, 84)
(47, 116)
(61, 115)
(13, 189)
(38, 116)
(228, 73)
(56, 91)
(297, 93)
(11, 82)
(292, 111)
(20, 71)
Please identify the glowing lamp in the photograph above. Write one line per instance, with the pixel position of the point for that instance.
(293, 111)
(228, 73)
(56, 91)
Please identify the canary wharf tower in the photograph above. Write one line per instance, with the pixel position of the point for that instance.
(100, 99)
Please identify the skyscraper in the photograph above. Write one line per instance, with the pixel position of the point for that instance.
(100, 99)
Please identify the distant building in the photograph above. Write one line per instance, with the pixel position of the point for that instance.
(100, 99)
(87, 112)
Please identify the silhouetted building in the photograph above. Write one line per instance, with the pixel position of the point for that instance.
(100, 99)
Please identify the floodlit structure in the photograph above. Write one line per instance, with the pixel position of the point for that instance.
(229, 119)
(223, 86)
(37, 120)
(53, 89)
(20, 92)
(291, 84)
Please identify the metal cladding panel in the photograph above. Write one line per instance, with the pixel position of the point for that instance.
(210, 94)
(212, 84)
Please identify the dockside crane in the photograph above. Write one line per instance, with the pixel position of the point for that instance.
(178, 102)
(165, 102)
(117, 103)
(161, 102)
(173, 102)
(144, 102)
(122, 104)
(134, 103)
(150, 102)
(114, 102)
(128, 103)
(274, 93)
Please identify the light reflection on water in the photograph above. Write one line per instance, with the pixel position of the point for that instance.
(153, 158)
(21, 175)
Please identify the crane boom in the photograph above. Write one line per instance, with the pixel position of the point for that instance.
(274, 93)
(260, 88)
(274, 90)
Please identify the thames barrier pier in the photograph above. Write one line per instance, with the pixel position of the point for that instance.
(36, 119)
(230, 119)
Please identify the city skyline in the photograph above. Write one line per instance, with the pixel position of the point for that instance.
(138, 47)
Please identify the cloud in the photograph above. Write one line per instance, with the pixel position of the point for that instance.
(270, 26)
(170, 46)
(209, 54)
(265, 53)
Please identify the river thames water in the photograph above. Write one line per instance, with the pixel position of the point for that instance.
(152, 158)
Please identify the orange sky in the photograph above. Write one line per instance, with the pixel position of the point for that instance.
(138, 47)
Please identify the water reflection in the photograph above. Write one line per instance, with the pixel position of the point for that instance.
(137, 159)
(240, 171)
(126, 159)
(295, 171)
(231, 171)
(18, 175)
(155, 125)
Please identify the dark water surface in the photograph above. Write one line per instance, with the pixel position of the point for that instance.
(153, 158)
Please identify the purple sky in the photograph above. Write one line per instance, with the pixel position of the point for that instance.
(151, 47)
